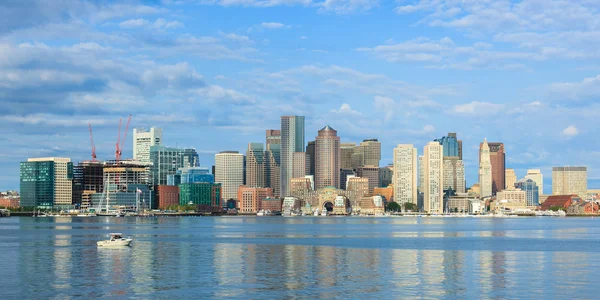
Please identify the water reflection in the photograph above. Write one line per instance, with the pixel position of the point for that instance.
(300, 258)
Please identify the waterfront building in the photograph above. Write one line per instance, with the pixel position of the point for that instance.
(346, 150)
(273, 168)
(498, 163)
(142, 141)
(454, 174)
(87, 180)
(255, 165)
(190, 175)
(270, 204)
(327, 158)
(536, 175)
(531, 189)
(562, 201)
(167, 196)
(358, 185)
(386, 192)
(46, 182)
(372, 205)
(292, 140)
(299, 186)
(310, 154)
(166, 161)
(404, 179)
(126, 184)
(509, 200)
(249, 198)
(459, 203)
(475, 190)
(511, 179)
(201, 193)
(229, 173)
(433, 198)
(371, 173)
(569, 180)
(485, 170)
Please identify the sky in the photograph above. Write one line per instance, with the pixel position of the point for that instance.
(215, 74)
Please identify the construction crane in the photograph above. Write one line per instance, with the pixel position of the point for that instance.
(92, 142)
(121, 143)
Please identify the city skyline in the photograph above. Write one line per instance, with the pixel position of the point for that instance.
(408, 76)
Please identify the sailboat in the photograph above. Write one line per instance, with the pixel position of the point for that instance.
(106, 212)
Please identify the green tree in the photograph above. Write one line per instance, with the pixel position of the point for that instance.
(410, 206)
(556, 208)
(393, 206)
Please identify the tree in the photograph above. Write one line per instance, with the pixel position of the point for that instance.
(410, 206)
(556, 208)
(393, 206)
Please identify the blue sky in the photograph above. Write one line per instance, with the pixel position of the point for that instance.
(214, 74)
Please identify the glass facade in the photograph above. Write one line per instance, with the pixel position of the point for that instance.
(450, 144)
(531, 189)
(190, 175)
(37, 184)
(166, 161)
(202, 193)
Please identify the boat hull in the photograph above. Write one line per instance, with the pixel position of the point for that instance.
(116, 243)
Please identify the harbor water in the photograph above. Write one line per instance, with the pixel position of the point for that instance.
(301, 258)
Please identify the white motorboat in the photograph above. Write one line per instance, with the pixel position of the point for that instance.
(260, 213)
(116, 240)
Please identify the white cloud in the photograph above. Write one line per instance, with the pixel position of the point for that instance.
(134, 23)
(272, 25)
(347, 6)
(160, 23)
(237, 38)
(570, 131)
(477, 108)
(585, 89)
(346, 109)
(428, 128)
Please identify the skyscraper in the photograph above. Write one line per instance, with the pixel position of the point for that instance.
(310, 155)
(433, 200)
(46, 182)
(450, 144)
(273, 136)
(273, 167)
(498, 161)
(454, 174)
(536, 175)
(421, 167)
(531, 189)
(569, 180)
(300, 165)
(371, 149)
(292, 140)
(142, 141)
(385, 175)
(229, 167)
(485, 170)
(371, 173)
(327, 158)
(255, 165)
(404, 178)
(511, 179)
(346, 150)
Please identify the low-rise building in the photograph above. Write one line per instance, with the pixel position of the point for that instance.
(9, 202)
(509, 200)
(562, 201)
(270, 203)
(386, 192)
(460, 203)
(249, 198)
(167, 196)
(371, 205)
(200, 193)
(583, 208)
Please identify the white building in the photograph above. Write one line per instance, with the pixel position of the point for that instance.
(569, 180)
(485, 170)
(433, 198)
(229, 172)
(421, 174)
(536, 175)
(143, 140)
(454, 174)
(404, 176)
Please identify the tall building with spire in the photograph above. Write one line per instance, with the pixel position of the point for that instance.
(404, 176)
(327, 158)
(433, 160)
(485, 170)
(292, 140)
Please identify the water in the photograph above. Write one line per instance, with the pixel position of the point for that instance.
(301, 258)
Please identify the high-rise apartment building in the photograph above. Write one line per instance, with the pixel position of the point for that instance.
(166, 161)
(421, 174)
(142, 141)
(292, 140)
(498, 161)
(485, 170)
(404, 178)
(327, 158)
(310, 155)
(454, 174)
(371, 173)
(46, 182)
(511, 179)
(569, 180)
(229, 167)
(255, 165)
(536, 175)
(367, 153)
(433, 160)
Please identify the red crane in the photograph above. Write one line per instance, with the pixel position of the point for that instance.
(92, 142)
(121, 143)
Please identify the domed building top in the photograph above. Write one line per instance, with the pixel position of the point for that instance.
(327, 128)
(327, 131)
